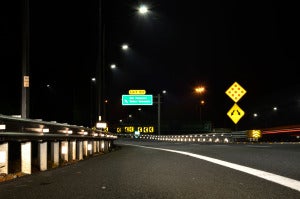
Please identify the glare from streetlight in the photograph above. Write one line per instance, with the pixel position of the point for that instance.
(125, 47)
(200, 89)
(143, 9)
(113, 66)
(93, 79)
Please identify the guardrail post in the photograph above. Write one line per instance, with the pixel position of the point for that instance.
(85, 149)
(94, 146)
(90, 148)
(79, 150)
(72, 150)
(42, 155)
(109, 145)
(4, 158)
(26, 157)
(105, 146)
(55, 154)
(64, 151)
(98, 146)
(102, 146)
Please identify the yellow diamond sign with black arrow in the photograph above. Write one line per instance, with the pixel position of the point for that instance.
(235, 113)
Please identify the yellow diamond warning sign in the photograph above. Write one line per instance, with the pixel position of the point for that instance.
(235, 92)
(235, 113)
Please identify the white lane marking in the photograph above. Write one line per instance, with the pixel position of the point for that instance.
(287, 182)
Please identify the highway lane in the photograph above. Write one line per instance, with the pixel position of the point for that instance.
(133, 171)
(280, 158)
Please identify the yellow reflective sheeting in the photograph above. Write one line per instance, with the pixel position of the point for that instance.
(235, 92)
(235, 113)
(140, 129)
(145, 130)
(254, 134)
(119, 130)
(129, 129)
(151, 129)
(137, 92)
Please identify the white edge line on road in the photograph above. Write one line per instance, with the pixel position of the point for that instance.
(287, 182)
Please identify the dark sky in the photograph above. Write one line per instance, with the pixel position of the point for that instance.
(176, 47)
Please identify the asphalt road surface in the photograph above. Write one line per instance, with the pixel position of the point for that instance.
(170, 170)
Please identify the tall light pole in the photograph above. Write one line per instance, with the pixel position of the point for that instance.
(92, 95)
(99, 63)
(200, 90)
(25, 61)
(101, 70)
(202, 102)
(159, 111)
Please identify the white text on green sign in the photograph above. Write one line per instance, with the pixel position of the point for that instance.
(137, 100)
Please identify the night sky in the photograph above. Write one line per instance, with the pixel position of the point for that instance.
(178, 46)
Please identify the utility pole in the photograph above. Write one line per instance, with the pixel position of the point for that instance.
(25, 61)
(99, 64)
(158, 114)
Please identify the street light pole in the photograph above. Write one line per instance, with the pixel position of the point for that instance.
(92, 96)
(101, 69)
(25, 61)
(200, 107)
(158, 114)
(99, 64)
(104, 71)
(200, 90)
(159, 111)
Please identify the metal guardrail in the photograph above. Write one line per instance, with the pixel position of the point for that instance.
(27, 143)
(15, 128)
(227, 137)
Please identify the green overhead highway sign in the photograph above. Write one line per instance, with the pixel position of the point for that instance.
(128, 100)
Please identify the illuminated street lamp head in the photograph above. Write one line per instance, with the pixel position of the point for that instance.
(113, 66)
(143, 9)
(200, 89)
(125, 47)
